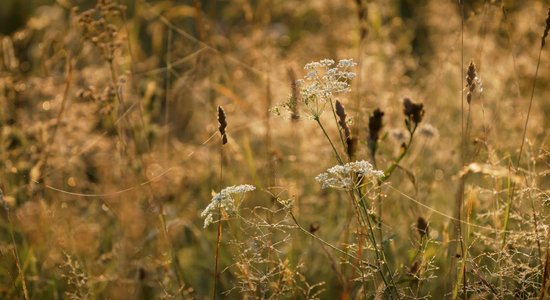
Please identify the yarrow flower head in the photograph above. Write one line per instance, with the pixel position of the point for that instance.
(324, 80)
(224, 200)
(346, 177)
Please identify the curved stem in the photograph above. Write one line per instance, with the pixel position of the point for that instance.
(393, 166)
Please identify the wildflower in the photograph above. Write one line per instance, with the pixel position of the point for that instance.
(413, 113)
(375, 126)
(322, 82)
(224, 200)
(344, 176)
(351, 146)
(346, 63)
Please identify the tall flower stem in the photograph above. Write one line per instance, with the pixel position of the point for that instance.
(338, 157)
(379, 254)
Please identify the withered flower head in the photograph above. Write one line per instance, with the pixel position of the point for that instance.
(422, 227)
(375, 125)
(413, 111)
(351, 146)
(222, 124)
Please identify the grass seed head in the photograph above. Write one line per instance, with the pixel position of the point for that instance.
(341, 113)
(222, 124)
(472, 81)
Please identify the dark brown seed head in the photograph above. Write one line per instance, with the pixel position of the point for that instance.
(375, 125)
(341, 113)
(546, 29)
(222, 124)
(422, 227)
(471, 76)
(314, 227)
(351, 146)
(413, 111)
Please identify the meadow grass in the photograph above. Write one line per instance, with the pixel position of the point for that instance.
(345, 149)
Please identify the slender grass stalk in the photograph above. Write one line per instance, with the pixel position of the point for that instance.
(222, 126)
(15, 251)
(217, 259)
(380, 256)
(68, 83)
(365, 217)
(523, 135)
(545, 275)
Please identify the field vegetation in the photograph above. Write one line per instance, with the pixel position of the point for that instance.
(261, 149)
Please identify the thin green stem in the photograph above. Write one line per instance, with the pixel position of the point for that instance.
(219, 234)
(379, 254)
(338, 157)
(379, 257)
(389, 171)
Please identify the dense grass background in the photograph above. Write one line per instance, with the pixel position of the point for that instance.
(109, 149)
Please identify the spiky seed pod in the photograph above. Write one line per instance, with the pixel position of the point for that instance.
(546, 29)
(413, 112)
(222, 124)
(422, 227)
(471, 81)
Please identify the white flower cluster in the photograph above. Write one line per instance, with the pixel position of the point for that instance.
(345, 176)
(224, 199)
(323, 81)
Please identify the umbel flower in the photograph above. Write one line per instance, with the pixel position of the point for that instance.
(345, 177)
(224, 200)
(324, 80)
